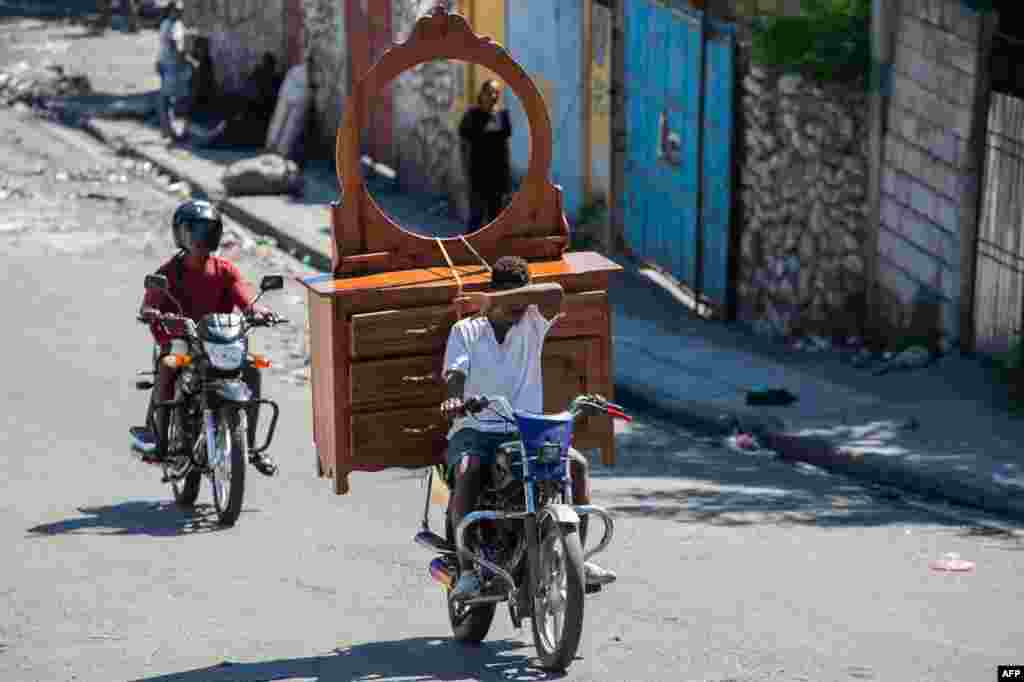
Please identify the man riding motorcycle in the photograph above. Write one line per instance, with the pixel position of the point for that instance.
(499, 353)
(203, 284)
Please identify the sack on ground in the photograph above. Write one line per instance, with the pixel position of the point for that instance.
(266, 174)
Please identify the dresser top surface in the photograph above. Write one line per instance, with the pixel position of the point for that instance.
(472, 276)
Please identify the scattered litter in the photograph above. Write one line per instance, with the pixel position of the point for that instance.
(99, 196)
(915, 357)
(746, 444)
(952, 563)
(863, 359)
(181, 189)
(770, 397)
(62, 176)
(1006, 474)
(810, 469)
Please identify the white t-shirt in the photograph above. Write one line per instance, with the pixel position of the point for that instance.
(511, 369)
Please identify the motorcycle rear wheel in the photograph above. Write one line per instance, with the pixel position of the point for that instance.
(558, 597)
(228, 480)
(470, 624)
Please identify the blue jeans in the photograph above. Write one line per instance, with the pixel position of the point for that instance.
(485, 447)
(472, 442)
(165, 100)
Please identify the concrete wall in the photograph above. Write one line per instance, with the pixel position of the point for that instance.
(547, 40)
(425, 139)
(325, 41)
(927, 168)
(804, 186)
(240, 31)
(599, 180)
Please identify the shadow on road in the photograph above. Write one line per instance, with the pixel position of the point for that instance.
(419, 658)
(158, 519)
(665, 472)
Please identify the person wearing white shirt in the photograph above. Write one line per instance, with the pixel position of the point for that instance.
(498, 352)
(170, 64)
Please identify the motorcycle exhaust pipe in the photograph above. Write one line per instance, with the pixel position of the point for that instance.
(440, 572)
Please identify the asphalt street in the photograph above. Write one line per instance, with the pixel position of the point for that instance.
(732, 567)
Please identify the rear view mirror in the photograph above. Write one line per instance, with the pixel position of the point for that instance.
(157, 282)
(272, 283)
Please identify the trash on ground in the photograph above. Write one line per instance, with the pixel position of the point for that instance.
(746, 444)
(770, 397)
(952, 563)
(1006, 474)
(915, 357)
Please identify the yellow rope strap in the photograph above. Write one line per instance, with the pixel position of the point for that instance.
(455, 273)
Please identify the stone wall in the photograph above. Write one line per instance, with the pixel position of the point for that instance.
(240, 31)
(928, 168)
(326, 42)
(425, 137)
(804, 180)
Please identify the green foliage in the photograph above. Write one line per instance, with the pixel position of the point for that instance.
(830, 41)
(589, 217)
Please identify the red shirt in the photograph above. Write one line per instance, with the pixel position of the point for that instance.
(218, 288)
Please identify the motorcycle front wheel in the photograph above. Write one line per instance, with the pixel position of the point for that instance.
(227, 470)
(558, 596)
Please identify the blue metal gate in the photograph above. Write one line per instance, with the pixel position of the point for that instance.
(679, 118)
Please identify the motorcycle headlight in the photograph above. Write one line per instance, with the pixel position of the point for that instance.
(225, 356)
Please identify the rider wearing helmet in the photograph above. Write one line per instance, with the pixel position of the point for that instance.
(203, 283)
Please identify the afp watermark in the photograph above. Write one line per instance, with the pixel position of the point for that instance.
(1010, 672)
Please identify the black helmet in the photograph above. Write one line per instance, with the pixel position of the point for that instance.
(197, 223)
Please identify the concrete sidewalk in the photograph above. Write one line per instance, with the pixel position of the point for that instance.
(942, 432)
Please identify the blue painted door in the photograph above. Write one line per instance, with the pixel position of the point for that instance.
(545, 37)
(679, 118)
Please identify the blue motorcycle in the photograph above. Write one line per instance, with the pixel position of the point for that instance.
(524, 535)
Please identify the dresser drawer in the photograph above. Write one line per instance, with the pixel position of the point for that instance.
(424, 331)
(412, 437)
(398, 382)
(391, 333)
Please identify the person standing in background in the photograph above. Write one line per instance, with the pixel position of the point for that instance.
(484, 141)
(170, 65)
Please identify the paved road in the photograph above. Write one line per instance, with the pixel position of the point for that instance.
(732, 567)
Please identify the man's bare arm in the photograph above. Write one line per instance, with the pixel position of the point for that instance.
(547, 297)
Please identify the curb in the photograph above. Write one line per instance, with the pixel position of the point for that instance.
(710, 421)
(229, 207)
(871, 468)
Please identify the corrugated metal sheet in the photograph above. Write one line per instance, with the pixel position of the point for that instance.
(999, 290)
(719, 80)
(668, 181)
(545, 37)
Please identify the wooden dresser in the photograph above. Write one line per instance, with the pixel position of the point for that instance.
(380, 321)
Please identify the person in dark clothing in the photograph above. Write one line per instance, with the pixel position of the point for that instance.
(247, 118)
(484, 136)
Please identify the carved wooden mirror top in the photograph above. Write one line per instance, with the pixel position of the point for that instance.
(532, 226)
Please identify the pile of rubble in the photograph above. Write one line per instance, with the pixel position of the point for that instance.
(34, 85)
